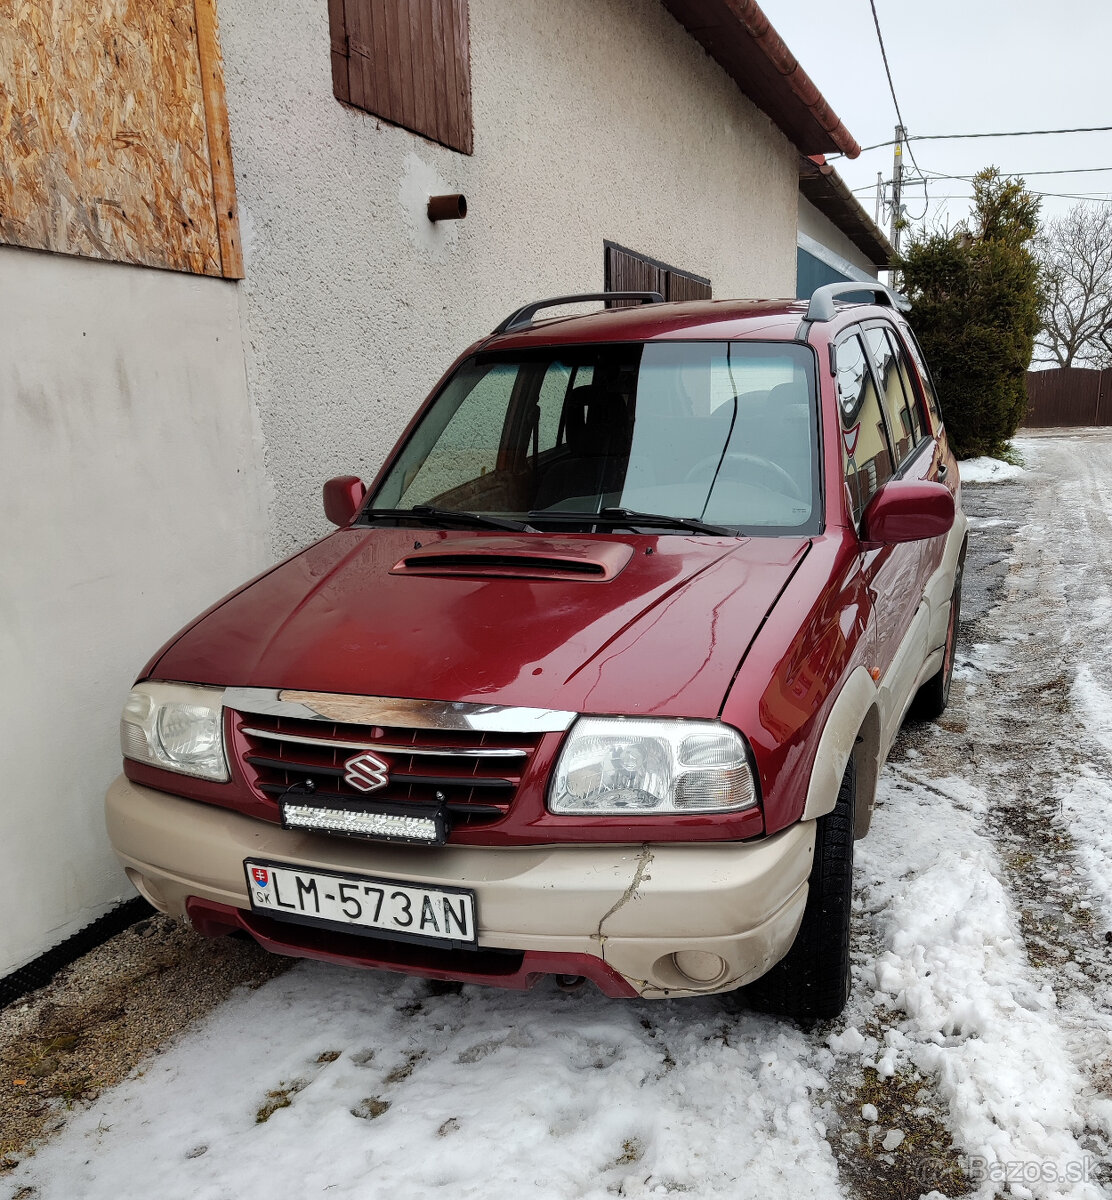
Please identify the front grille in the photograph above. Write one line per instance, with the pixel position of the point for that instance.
(474, 774)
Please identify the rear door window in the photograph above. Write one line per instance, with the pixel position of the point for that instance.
(899, 401)
(914, 403)
(924, 374)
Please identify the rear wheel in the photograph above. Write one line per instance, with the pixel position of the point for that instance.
(932, 698)
(812, 981)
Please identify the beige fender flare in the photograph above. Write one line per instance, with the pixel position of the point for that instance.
(853, 722)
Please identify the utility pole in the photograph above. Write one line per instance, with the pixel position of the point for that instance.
(897, 186)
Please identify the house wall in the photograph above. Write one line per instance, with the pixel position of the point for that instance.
(813, 224)
(162, 455)
(593, 120)
(131, 497)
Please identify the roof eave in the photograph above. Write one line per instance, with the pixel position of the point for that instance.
(820, 184)
(741, 39)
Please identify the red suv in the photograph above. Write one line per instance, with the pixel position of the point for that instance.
(596, 679)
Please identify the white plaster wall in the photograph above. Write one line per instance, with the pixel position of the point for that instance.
(822, 229)
(130, 498)
(594, 119)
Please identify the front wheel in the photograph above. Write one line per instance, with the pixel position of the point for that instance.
(811, 982)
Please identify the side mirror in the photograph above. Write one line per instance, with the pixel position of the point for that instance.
(343, 498)
(907, 510)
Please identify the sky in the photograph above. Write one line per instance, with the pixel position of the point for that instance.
(963, 66)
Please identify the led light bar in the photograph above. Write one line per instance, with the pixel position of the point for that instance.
(360, 823)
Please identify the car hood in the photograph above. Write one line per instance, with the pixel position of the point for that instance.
(638, 625)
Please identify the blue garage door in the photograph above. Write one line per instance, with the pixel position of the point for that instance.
(812, 273)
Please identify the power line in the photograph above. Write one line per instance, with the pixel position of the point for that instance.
(1098, 197)
(1092, 197)
(1024, 174)
(884, 56)
(901, 131)
(943, 137)
(1062, 171)
(1095, 197)
(929, 174)
(891, 85)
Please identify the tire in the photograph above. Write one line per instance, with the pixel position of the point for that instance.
(812, 981)
(931, 699)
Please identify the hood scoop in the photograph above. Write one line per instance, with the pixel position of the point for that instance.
(527, 556)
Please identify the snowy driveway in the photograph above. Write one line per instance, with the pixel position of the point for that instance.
(975, 1056)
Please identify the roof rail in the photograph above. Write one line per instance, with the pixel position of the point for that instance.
(822, 308)
(523, 317)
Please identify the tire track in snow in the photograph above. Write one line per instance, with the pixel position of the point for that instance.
(964, 1004)
(1084, 543)
(1087, 796)
(398, 1089)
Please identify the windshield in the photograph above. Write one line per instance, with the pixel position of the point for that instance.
(723, 433)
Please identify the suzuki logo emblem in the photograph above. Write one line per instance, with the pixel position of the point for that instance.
(366, 772)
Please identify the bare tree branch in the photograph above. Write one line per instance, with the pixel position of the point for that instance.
(1075, 254)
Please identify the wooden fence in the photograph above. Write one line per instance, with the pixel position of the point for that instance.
(1068, 396)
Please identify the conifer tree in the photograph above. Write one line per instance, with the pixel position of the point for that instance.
(975, 307)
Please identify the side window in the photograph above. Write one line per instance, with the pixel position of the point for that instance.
(905, 432)
(865, 452)
(550, 401)
(916, 416)
(408, 61)
(558, 381)
(925, 375)
(467, 450)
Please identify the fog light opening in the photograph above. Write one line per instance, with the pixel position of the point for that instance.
(700, 967)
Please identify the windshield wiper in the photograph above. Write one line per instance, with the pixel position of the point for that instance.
(631, 519)
(429, 514)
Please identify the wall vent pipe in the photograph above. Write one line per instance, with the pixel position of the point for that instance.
(447, 208)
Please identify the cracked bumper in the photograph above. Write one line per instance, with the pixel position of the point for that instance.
(631, 908)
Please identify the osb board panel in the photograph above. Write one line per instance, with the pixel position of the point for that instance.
(219, 137)
(104, 150)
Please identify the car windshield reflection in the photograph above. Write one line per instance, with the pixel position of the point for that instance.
(717, 433)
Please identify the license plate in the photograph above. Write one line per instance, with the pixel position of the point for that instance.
(403, 911)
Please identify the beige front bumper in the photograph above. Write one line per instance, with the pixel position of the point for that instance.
(634, 907)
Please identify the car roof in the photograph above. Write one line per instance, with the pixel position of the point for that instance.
(694, 320)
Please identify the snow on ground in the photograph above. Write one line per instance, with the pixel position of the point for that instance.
(968, 1009)
(972, 982)
(394, 1092)
(1087, 797)
(1084, 546)
(987, 470)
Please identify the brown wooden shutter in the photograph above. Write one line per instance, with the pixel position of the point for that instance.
(628, 272)
(682, 286)
(407, 61)
(337, 28)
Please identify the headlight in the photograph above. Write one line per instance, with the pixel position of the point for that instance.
(176, 726)
(614, 765)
